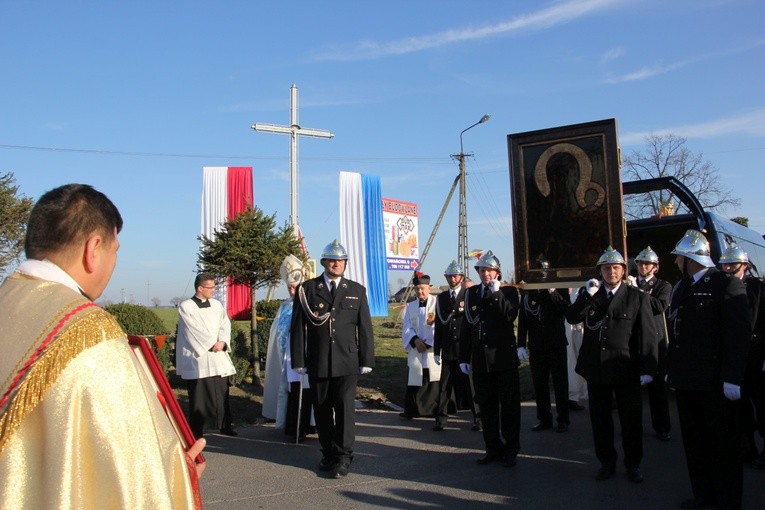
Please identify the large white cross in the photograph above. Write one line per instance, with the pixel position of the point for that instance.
(294, 130)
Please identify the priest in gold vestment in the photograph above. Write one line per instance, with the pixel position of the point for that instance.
(80, 424)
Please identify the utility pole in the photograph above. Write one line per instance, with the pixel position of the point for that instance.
(462, 234)
(462, 249)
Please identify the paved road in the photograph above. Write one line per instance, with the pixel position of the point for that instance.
(404, 464)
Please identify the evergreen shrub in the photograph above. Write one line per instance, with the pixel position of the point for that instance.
(140, 320)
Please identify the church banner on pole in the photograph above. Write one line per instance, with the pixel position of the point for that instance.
(401, 221)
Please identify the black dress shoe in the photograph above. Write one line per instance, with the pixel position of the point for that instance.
(327, 464)
(509, 460)
(575, 406)
(697, 503)
(405, 416)
(488, 458)
(561, 427)
(663, 436)
(634, 475)
(438, 427)
(229, 432)
(541, 425)
(605, 472)
(476, 425)
(759, 462)
(340, 470)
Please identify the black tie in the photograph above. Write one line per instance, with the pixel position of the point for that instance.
(332, 288)
(486, 291)
(452, 296)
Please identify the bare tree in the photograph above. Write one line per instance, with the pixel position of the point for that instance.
(156, 302)
(667, 156)
(176, 301)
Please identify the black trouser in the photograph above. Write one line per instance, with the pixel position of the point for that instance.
(710, 424)
(422, 400)
(498, 396)
(629, 405)
(657, 396)
(452, 378)
(543, 364)
(208, 404)
(334, 407)
(753, 401)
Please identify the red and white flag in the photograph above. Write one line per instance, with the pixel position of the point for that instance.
(226, 192)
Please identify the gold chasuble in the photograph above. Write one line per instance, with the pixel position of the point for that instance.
(80, 425)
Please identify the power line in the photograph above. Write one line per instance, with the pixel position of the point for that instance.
(105, 152)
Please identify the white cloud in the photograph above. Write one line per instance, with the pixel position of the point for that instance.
(557, 14)
(647, 72)
(612, 54)
(55, 126)
(658, 69)
(751, 124)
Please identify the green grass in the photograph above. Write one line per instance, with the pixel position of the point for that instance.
(169, 317)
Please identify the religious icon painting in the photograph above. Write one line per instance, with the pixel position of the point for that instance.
(566, 200)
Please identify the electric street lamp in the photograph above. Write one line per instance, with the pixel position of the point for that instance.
(462, 236)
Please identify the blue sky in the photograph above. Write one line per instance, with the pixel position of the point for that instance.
(136, 97)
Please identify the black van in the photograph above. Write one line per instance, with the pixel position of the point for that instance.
(663, 233)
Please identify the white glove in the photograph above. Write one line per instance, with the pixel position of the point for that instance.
(466, 368)
(437, 359)
(732, 391)
(522, 354)
(592, 286)
(364, 370)
(631, 280)
(645, 379)
(494, 285)
(551, 290)
(301, 370)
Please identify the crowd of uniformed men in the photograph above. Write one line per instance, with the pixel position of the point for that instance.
(703, 339)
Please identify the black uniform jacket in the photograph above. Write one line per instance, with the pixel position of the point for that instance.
(541, 319)
(710, 331)
(660, 293)
(755, 288)
(344, 342)
(446, 340)
(619, 343)
(488, 344)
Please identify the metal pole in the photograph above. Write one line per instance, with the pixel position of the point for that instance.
(294, 159)
(462, 235)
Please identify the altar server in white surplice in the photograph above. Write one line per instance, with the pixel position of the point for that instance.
(202, 357)
(417, 334)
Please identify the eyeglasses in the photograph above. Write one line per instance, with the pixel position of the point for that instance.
(206, 287)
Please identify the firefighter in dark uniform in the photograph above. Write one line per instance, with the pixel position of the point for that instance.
(488, 351)
(735, 261)
(659, 293)
(710, 331)
(618, 355)
(331, 339)
(541, 327)
(450, 308)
